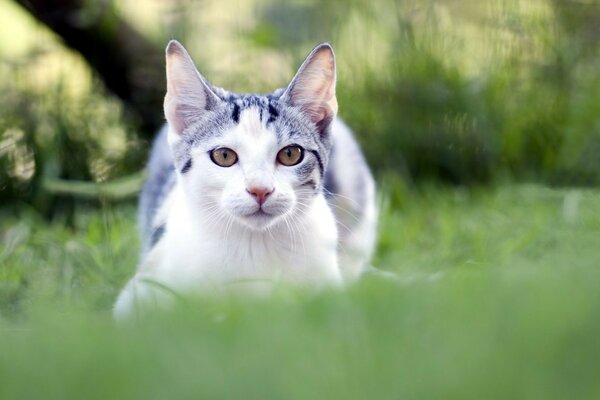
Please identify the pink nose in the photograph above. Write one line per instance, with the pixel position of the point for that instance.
(260, 193)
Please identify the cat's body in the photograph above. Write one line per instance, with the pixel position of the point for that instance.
(252, 190)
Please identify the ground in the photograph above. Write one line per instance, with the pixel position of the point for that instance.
(496, 295)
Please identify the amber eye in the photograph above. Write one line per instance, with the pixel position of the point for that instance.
(223, 157)
(290, 155)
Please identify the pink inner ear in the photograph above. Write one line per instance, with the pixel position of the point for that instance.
(184, 115)
(322, 106)
(188, 96)
(317, 112)
(313, 88)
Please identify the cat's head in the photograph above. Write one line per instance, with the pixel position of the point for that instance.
(252, 159)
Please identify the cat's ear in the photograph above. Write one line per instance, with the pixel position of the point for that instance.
(188, 93)
(313, 88)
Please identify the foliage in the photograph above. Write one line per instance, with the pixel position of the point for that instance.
(55, 130)
(494, 92)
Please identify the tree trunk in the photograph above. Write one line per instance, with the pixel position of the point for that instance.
(129, 65)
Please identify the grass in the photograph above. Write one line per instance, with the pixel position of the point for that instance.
(497, 295)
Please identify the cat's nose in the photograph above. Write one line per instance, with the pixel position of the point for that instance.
(260, 193)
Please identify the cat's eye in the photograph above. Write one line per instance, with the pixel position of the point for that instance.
(290, 155)
(223, 157)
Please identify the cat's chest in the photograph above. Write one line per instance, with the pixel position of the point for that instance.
(239, 254)
(187, 259)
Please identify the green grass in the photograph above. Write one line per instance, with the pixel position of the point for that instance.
(497, 296)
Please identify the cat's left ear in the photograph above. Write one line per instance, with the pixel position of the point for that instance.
(313, 88)
(188, 93)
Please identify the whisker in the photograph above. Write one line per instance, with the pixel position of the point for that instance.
(292, 234)
(350, 199)
(295, 223)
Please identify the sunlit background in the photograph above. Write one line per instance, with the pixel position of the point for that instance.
(457, 91)
(480, 120)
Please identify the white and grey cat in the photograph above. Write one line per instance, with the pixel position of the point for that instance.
(252, 189)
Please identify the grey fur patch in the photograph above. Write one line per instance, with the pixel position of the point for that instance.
(157, 234)
(187, 166)
(209, 124)
(235, 115)
(304, 170)
(347, 178)
(160, 182)
(273, 113)
(311, 183)
(329, 182)
(319, 162)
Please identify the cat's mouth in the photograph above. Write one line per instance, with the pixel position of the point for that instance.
(259, 219)
(260, 213)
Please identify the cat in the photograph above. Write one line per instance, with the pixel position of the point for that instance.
(251, 190)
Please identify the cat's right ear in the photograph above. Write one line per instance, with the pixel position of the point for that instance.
(312, 90)
(188, 93)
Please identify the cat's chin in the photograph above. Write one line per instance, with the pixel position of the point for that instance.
(259, 220)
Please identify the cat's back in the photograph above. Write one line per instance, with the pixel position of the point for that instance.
(160, 181)
(350, 191)
(348, 174)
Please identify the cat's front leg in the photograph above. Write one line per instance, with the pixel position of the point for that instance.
(143, 292)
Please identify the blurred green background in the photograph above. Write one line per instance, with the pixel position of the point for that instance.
(480, 119)
(457, 91)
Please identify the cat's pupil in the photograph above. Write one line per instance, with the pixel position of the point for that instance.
(225, 154)
(289, 152)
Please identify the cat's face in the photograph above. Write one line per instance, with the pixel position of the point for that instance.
(258, 170)
(250, 159)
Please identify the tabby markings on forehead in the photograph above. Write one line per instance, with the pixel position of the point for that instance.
(273, 113)
(235, 115)
(262, 103)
